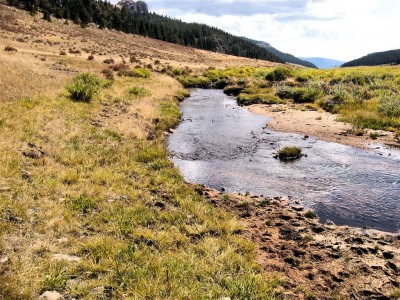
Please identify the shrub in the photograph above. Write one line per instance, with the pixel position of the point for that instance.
(91, 57)
(108, 74)
(285, 92)
(307, 94)
(248, 99)
(142, 73)
(10, 49)
(389, 106)
(108, 61)
(84, 87)
(279, 74)
(289, 153)
(233, 90)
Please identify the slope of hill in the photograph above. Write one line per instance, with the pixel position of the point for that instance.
(324, 63)
(375, 59)
(286, 57)
(106, 15)
(90, 205)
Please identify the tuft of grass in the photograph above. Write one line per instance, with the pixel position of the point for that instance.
(142, 73)
(139, 91)
(10, 49)
(289, 153)
(82, 203)
(279, 74)
(310, 214)
(182, 94)
(84, 87)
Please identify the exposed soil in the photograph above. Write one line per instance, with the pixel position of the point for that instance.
(320, 124)
(315, 261)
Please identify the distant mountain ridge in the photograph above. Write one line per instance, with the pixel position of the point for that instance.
(286, 57)
(376, 59)
(324, 63)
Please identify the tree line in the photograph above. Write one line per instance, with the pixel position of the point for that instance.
(391, 57)
(106, 15)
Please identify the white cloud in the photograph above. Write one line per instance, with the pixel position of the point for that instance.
(340, 29)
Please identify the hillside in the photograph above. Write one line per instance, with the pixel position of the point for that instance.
(90, 205)
(324, 63)
(106, 15)
(286, 57)
(376, 59)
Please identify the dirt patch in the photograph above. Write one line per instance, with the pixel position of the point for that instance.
(315, 261)
(320, 124)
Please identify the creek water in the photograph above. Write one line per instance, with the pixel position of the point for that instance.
(224, 146)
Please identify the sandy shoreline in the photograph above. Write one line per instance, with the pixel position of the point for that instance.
(319, 124)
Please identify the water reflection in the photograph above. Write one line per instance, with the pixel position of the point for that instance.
(222, 145)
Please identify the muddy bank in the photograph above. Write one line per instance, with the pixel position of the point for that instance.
(321, 125)
(315, 261)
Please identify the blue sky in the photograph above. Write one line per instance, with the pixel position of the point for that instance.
(338, 29)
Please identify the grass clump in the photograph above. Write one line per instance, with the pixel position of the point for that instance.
(84, 87)
(310, 214)
(182, 94)
(142, 73)
(82, 204)
(279, 74)
(289, 153)
(139, 91)
(10, 49)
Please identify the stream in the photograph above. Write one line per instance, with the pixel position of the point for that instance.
(226, 147)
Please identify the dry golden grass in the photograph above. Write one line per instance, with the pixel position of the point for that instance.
(93, 180)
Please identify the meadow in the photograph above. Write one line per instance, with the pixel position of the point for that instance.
(366, 97)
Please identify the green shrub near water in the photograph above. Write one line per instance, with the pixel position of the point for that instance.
(84, 87)
(289, 153)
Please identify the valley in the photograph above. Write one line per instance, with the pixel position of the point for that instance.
(93, 207)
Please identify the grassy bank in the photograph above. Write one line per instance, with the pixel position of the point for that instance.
(93, 181)
(365, 97)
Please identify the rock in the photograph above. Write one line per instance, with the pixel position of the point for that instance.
(4, 260)
(26, 176)
(133, 6)
(51, 296)
(70, 258)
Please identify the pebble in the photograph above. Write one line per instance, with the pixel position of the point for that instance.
(66, 257)
(51, 295)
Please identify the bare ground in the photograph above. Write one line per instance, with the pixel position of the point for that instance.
(316, 261)
(320, 124)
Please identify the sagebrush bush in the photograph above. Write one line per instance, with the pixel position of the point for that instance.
(84, 87)
(389, 106)
(279, 74)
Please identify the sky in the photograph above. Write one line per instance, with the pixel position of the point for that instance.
(336, 29)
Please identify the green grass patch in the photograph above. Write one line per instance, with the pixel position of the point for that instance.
(84, 87)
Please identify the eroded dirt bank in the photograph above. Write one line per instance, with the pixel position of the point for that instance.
(320, 124)
(315, 261)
